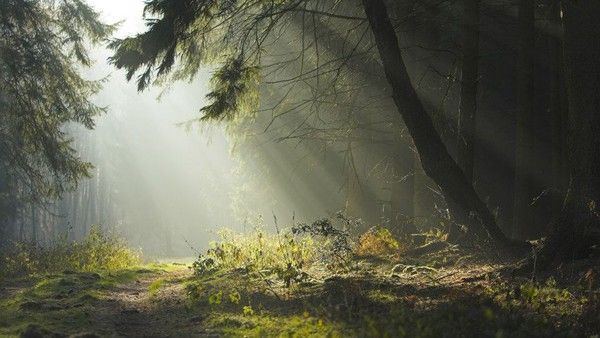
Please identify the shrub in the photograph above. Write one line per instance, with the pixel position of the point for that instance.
(282, 254)
(377, 241)
(97, 251)
(287, 254)
(335, 247)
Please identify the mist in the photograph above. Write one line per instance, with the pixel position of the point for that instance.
(299, 168)
(171, 185)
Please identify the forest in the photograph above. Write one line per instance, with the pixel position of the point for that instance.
(299, 168)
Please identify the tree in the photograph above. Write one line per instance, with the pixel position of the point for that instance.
(435, 159)
(41, 92)
(468, 89)
(578, 225)
(524, 186)
(234, 36)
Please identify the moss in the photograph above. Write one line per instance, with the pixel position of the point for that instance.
(63, 303)
(382, 296)
(155, 287)
(271, 325)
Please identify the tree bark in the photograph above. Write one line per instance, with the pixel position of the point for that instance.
(436, 161)
(524, 145)
(468, 90)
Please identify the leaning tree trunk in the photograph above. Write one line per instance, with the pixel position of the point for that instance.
(578, 226)
(435, 159)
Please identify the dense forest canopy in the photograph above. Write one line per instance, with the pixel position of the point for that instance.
(303, 142)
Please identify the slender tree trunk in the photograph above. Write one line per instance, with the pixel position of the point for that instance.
(578, 226)
(21, 222)
(435, 159)
(558, 113)
(33, 225)
(468, 90)
(524, 145)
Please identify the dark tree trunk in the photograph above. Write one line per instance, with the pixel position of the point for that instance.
(524, 152)
(558, 113)
(435, 159)
(578, 225)
(468, 90)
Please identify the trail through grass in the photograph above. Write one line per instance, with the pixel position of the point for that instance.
(167, 300)
(284, 286)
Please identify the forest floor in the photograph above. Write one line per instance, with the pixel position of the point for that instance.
(425, 297)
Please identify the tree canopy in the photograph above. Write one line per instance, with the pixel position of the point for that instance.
(43, 46)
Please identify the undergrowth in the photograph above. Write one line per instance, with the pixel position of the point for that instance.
(98, 251)
(288, 253)
(318, 280)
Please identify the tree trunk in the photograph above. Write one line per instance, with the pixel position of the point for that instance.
(578, 226)
(524, 145)
(558, 113)
(435, 159)
(33, 224)
(468, 90)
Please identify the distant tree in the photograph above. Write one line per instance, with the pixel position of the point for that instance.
(42, 47)
(525, 133)
(577, 228)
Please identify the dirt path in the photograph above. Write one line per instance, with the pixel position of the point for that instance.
(153, 305)
(148, 302)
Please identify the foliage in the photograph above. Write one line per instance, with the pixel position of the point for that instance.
(42, 48)
(535, 295)
(98, 251)
(282, 254)
(234, 91)
(287, 254)
(377, 241)
(336, 248)
(194, 33)
(365, 303)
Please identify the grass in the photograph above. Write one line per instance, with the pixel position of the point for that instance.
(383, 294)
(98, 251)
(68, 302)
(376, 293)
(356, 305)
(155, 286)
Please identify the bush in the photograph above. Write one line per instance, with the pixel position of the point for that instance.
(288, 254)
(97, 251)
(283, 254)
(378, 241)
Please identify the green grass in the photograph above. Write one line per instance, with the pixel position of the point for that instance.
(155, 286)
(98, 251)
(272, 325)
(368, 301)
(66, 302)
